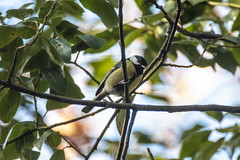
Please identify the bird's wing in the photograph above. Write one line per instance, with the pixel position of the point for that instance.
(101, 86)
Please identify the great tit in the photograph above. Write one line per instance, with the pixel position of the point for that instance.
(113, 83)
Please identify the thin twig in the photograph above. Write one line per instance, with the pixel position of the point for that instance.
(123, 135)
(73, 146)
(102, 134)
(72, 120)
(177, 65)
(198, 35)
(36, 111)
(78, 53)
(150, 153)
(88, 73)
(166, 46)
(35, 103)
(55, 125)
(39, 31)
(123, 56)
(134, 113)
(186, 66)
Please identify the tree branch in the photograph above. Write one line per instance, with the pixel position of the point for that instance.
(138, 107)
(54, 125)
(165, 48)
(102, 134)
(134, 113)
(30, 43)
(73, 146)
(88, 73)
(150, 153)
(123, 134)
(122, 46)
(198, 35)
(126, 80)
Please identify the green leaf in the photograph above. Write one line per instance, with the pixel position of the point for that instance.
(55, 78)
(194, 144)
(190, 51)
(215, 114)
(111, 38)
(29, 30)
(42, 85)
(26, 5)
(54, 140)
(133, 35)
(19, 129)
(63, 48)
(10, 152)
(58, 155)
(9, 103)
(212, 149)
(39, 142)
(191, 131)
(7, 34)
(73, 91)
(68, 31)
(236, 54)
(46, 7)
(4, 74)
(37, 61)
(233, 129)
(19, 13)
(91, 41)
(52, 53)
(72, 8)
(144, 7)
(191, 12)
(9, 54)
(236, 23)
(120, 120)
(30, 154)
(224, 58)
(20, 148)
(104, 10)
(158, 97)
(153, 19)
(114, 3)
(5, 130)
(143, 138)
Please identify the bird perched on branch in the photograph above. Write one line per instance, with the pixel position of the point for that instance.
(113, 83)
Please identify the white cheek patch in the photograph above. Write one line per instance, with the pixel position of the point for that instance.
(134, 60)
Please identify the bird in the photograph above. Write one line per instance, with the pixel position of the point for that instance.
(113, 83)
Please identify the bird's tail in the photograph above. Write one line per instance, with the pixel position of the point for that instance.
(99, 97)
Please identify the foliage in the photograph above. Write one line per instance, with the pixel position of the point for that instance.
(46, 35)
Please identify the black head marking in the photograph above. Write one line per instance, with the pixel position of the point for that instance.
(139, 63)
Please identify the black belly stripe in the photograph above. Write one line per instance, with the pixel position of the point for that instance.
(120, 86)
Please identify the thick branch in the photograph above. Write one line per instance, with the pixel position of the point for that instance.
(138, 107)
